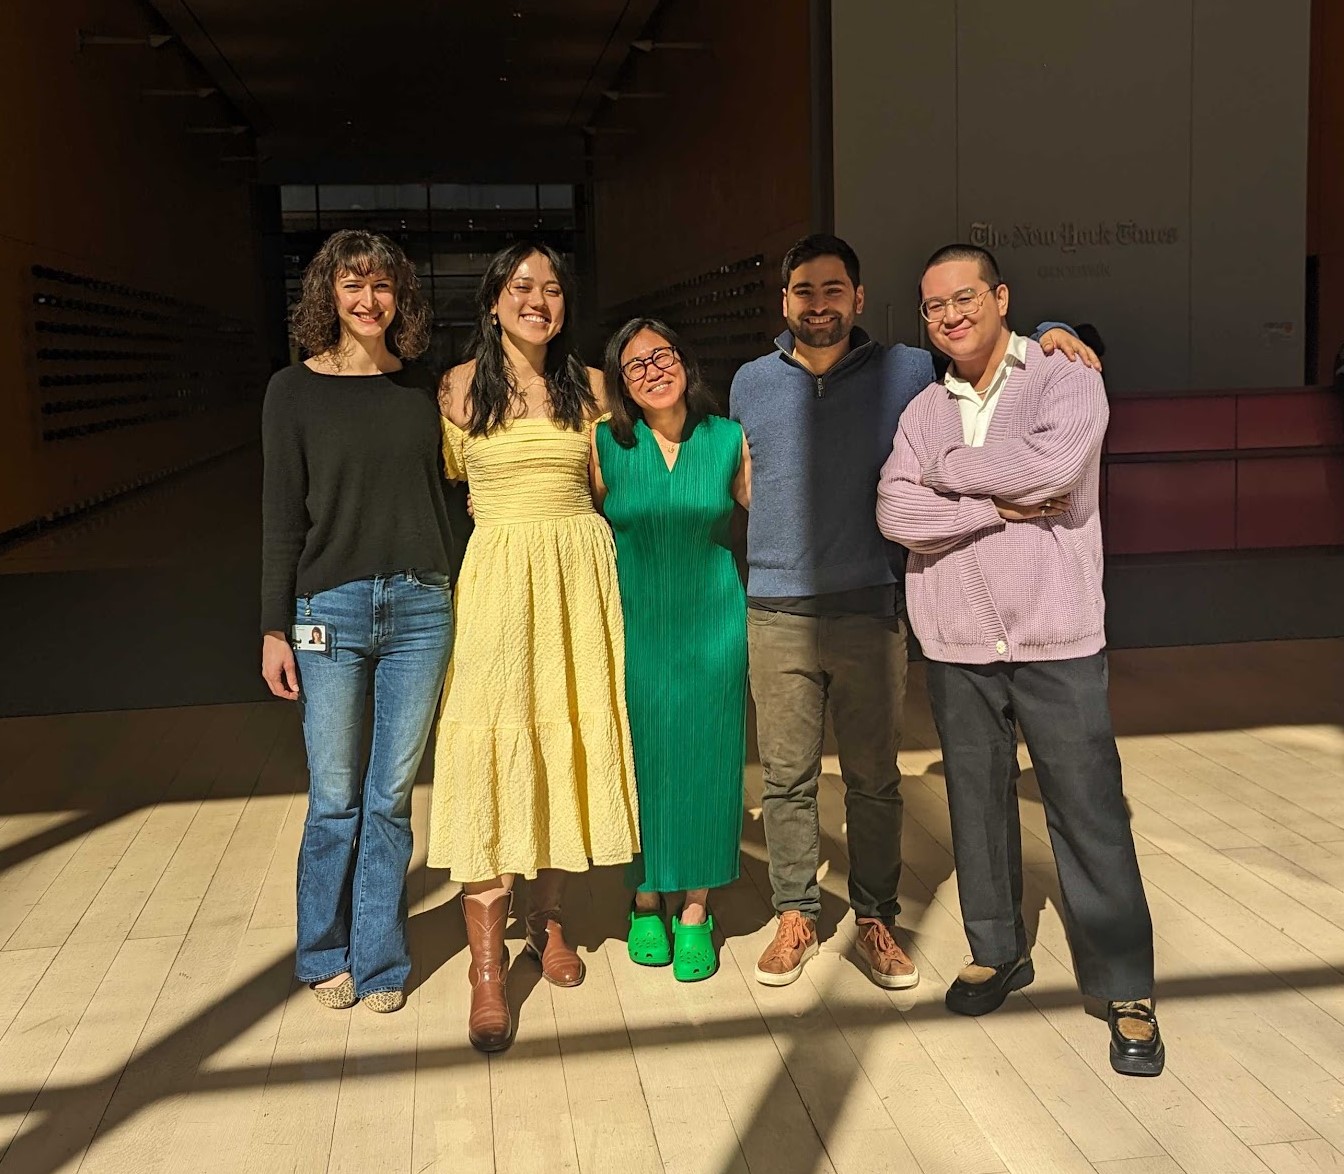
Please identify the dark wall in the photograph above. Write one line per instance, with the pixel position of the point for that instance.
(698, 193)
(1325, 183)
(150, 235)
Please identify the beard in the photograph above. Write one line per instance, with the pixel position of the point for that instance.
(833, 331)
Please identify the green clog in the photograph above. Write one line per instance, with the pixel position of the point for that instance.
(648, 943)
(693, 957)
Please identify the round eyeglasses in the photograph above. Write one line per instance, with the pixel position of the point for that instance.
(966, 302)
(662, 357)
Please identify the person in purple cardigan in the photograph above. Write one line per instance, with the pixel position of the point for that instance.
(992, 486)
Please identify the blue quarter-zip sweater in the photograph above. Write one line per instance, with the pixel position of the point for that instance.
(818, 444)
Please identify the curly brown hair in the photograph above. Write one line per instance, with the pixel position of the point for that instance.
(313, 322)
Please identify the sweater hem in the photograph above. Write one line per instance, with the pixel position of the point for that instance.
(1017, 653)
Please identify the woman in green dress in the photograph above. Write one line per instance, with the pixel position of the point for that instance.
(667, 470)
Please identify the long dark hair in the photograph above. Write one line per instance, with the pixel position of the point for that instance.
(624, 411)
(313, 322)
(494, 390)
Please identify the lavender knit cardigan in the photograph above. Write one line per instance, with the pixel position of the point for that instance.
(980, 589)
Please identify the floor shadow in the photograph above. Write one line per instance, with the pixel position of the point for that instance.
(177, 1062)
(437, 934)
(522, 979)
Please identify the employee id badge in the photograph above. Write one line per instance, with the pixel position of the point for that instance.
(313, 636)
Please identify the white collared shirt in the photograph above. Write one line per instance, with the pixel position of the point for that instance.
(978, 410)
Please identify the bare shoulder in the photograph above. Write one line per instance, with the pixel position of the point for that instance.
(597, 382)
(455, 392)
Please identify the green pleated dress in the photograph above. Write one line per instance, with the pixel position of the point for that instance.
(685, 649)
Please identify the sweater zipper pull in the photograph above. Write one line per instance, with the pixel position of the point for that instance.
(821, 386)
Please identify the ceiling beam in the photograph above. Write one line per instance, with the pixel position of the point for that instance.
(632, 21)
(178, 15)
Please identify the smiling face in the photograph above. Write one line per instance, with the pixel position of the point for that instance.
(821, 302)
(365, 304)
(531, 306)
(973, 311)
(652, 388)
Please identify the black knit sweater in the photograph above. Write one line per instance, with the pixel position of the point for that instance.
(353, 483)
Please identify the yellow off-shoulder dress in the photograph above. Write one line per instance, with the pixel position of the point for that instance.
(532, 760)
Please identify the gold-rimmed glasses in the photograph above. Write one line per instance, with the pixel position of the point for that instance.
(966, 302)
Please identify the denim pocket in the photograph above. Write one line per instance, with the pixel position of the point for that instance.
(435, 579)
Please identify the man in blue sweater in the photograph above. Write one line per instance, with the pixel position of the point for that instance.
(826, 619)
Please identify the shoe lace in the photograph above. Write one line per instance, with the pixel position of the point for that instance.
(881, 938)
(791, 934)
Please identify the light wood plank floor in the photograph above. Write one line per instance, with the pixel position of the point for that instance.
(148, 1020)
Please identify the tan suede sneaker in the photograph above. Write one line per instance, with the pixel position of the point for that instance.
(795, 942)
(888, 964)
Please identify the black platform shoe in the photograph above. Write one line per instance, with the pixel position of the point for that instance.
(979, 990)
(1144, 1056)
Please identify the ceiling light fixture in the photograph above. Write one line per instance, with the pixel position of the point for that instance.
(151, 40)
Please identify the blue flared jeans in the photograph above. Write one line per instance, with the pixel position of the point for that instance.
(389, 636)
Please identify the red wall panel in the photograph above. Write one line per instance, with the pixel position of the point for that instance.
(1159, 506)
(1172, 425)
(1290, 501)
(1290, 421)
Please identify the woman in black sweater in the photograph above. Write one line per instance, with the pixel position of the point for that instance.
(356, 596)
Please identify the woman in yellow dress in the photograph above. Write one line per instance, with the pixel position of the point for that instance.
(533, 773)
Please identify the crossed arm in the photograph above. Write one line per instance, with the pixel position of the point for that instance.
(920, 517)
(931, 501)
(1046, 462)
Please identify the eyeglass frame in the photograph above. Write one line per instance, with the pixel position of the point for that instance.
(979, 299)
(653, 357)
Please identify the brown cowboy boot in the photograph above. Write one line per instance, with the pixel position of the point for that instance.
(560, 965)
(490, 1024)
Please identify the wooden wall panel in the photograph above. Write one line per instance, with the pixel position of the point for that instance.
(105, 181)
(718, 169)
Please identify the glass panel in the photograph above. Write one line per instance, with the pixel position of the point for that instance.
(476, 197)
(298, 197)
(557, 195)
(449, 195)
(344, 197)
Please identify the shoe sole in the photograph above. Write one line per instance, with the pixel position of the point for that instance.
(894, 982)
(1139, 1066)
(491, 1048)
(529, 948)
(769, 978)
(1023, 977)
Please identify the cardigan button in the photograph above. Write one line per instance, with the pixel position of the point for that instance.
(1001, 647)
